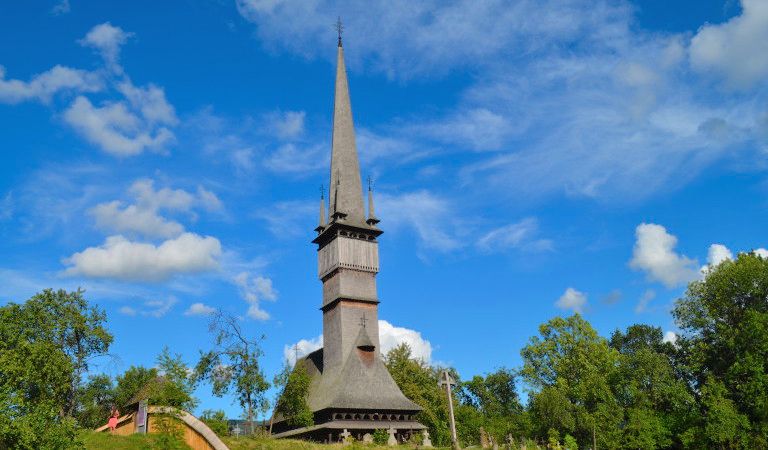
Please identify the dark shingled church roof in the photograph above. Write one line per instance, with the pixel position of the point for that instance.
(355, 386)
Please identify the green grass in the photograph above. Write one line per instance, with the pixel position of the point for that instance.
(248, 443)
(103, 441)
(106, 441)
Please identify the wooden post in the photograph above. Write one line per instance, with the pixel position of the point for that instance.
(594, 438)
(447, 381)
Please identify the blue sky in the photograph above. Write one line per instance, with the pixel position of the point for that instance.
(530, 158)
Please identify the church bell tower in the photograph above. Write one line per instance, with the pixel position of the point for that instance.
(351, 392)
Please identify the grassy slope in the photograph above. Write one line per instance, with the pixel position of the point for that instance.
(106, 441)
(102, 441)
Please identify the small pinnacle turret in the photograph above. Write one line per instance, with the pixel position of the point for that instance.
(321, 221)
(372, 219)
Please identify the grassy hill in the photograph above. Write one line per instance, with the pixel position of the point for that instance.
(102, 441)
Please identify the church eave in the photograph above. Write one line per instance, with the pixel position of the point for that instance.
(334, 229)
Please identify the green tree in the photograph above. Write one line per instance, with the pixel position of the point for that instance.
(292, 403)
(577, 367)
(495, 403)
(233, 366)
(176, 384)
(419, 382)
(216, 421)
(95, 400)
(724, 343)
(131, 382)
(657, 403)
(46, 344)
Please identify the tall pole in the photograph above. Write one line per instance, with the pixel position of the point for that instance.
(447, 382)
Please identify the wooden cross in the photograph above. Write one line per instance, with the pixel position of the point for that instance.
(447, 381)
(339, 29)
(296, 353)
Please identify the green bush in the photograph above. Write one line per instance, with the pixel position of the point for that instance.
(380, 437)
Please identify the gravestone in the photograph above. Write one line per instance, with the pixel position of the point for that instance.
(427, 442)
(344, 435)
(367, 438)
(484, 439)
(392, 441)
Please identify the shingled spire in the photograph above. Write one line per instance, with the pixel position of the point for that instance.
(346, 193)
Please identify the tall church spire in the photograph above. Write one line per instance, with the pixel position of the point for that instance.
(346, 193)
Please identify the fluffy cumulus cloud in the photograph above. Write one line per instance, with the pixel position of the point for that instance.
(718, 253)
(42, 87)
(522, 234)
(254, 289)
(736, 49)
(122, 259)
(107, 39)
(654, 253)
(390, 336)
(199, 309)
(116, 129)
(139, 119)
(142, 217)
(572, 300)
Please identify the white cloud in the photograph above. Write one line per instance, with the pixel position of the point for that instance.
(143, 216)
(671, 337)
(158, 308)
(115, 129)
(718, 253)
(62, 7)
(298, 160)
(477, 129)
(645, 300)
(291, 218)
(390, 336)
(286, 125)
(127, 310)
(404, 38)
(654, 253)
(254, 289)
(119, 258)
(516, 235)
(572, 300)
(107, 40)
(134, 219)
(150, 308)
(199, 309)
(422, 211)
(150, 101)
(735, 49)
(301, 349)
(44, 86)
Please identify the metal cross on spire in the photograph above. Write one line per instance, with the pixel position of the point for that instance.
(322, 191)
(339, 28)
(363, 321)
(370, 183)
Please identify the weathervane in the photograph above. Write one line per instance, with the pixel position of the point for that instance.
(339, 28)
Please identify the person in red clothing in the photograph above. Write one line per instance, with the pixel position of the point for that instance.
(113, 419)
